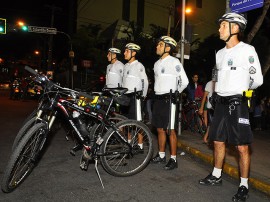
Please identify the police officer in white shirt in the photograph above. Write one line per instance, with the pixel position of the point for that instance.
(238, 70)
(170, 77)
(114, 73)
(134, 79)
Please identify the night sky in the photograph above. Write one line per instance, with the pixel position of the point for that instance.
(33, 13)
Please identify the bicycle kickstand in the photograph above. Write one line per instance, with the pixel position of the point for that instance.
(96, 164)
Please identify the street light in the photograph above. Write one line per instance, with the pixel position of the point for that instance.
(22, 26)
(188, 10)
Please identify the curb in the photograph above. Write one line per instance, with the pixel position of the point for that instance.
(227, 168)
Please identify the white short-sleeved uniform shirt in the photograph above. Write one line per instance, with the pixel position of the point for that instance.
(169, 75)
(239, 69)
(114, 74)
(135, 77)
(209, 87)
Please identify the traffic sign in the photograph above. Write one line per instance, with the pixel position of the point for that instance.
(43, 30)
(240, 6)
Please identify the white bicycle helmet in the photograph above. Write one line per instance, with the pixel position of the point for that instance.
(114, 50)
(133, 46)
(235, 18)
(168, 40)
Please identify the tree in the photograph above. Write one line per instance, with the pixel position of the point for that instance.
(254, 31)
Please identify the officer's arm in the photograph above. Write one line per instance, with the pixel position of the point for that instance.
(255, 71)
(183, 80)
(144, 83)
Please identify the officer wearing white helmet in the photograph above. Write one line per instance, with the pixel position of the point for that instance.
(170, 78)
(237, 70)
(134, 72)
(114, 73)
(135, 80)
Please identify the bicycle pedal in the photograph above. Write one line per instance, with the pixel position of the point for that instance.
(72, 152)
(75, 149)
(84, 165)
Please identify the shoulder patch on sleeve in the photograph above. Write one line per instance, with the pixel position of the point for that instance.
(252, 70)
(251, 59)
(178, 68)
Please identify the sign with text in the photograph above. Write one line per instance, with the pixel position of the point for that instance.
(87, 63)
(43, 30)
(240, 6)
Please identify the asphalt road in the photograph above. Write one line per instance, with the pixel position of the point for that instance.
(59, 178)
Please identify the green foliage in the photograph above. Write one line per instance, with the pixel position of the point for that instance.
(88, 46)
(202, 59)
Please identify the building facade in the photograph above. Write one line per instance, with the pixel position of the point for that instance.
(202, 21)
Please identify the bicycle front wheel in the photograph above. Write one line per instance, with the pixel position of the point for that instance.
(122, 159)
(24, 157)
(24, 129)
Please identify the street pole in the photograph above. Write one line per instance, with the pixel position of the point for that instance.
(183, 30)
(182, 61)
(169, 21)
(71, 56)
(50, 42)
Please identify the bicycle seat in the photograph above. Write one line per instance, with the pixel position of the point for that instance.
(118, 90)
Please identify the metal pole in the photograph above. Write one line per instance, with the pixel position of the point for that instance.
(183, 30)
(182, 61)
(71, 56)
(228, 9)
(169, 22)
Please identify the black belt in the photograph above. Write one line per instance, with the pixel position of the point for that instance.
(236, 99)
(163, 96)
(132, 95)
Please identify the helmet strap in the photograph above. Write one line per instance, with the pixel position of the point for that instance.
(112, 59)
(230, 33)
(131, 51)
(164, 51)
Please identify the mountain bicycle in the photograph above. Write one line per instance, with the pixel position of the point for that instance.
(191, 119)
(118, 156)
(37, 113)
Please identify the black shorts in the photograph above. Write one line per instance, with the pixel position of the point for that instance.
(210, 114)
(232, 127)
(132, 111)
(161, 114)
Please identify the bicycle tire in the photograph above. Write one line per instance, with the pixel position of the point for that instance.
(97, 127)
(23, 130)
(30, 116)
(24, 157)
(117, 118)
(114, 156)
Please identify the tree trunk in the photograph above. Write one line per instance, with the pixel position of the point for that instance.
(258, 23)
(266, 66)
(255, 29)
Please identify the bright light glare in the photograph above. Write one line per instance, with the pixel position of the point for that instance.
(188, 10)
(21, 23)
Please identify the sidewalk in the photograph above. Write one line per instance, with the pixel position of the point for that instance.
(260, 157)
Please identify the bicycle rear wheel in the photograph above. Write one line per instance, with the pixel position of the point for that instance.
(24, 157)
(118, 158)
(99, 128)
